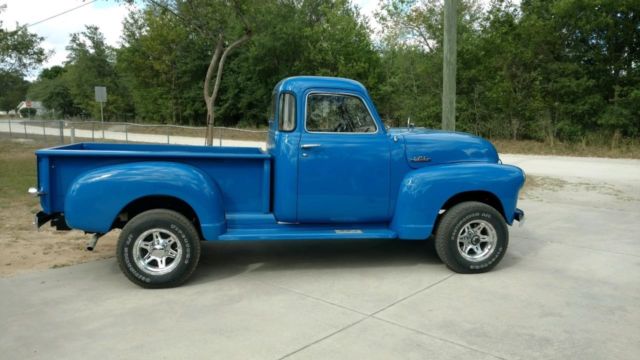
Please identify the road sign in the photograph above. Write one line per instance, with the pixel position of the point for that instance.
(101, 94)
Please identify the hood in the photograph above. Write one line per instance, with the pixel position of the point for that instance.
(424, 147)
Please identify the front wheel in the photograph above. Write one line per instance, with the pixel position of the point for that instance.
(472, 237)
(158, 249)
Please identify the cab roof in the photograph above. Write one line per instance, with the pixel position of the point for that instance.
(298, 84)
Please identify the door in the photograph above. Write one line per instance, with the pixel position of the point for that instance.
(343, 165)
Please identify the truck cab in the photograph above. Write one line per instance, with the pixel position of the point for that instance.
(319, 128)
(331, 170)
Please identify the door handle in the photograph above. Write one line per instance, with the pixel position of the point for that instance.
(309, 146)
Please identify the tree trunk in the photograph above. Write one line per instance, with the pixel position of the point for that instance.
(217, 61)
(207, 80)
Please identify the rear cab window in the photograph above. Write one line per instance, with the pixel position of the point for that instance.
(287, 112)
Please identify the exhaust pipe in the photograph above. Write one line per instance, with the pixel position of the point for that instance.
(91, 244)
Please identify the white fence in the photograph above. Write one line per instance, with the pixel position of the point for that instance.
(61, 132)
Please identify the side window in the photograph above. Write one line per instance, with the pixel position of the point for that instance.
(287, 112)
(338, 113)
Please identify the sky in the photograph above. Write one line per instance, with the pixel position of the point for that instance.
(107, 15)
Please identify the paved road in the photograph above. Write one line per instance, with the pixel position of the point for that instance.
(568, 288)
(114, 133)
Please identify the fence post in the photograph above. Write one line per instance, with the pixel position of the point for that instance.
(168, 134)
(25, 129)
(93, 131)
(220, 133)
(10, 135)
(61, 124)
(73, 133)
(44, 132)
(126, 133)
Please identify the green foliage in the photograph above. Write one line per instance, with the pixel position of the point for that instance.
(296, 38)
(28, 112)
(542, 70)
(20, 52)
(52, 89)
(162, 65)
(546, 70)
(91, 63)
(69, 90)
(13, 89)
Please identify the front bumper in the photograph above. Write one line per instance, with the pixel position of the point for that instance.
(519, 216)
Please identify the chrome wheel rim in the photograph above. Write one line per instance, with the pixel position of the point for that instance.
(477, 240)
(157, 251)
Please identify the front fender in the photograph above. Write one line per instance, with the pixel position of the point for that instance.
(96, 197)
(423, 193)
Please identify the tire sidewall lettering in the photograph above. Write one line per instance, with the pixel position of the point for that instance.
(128, 258)
(129, 243)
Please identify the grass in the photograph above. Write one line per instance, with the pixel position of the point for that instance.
(629, 149)
(17, 170)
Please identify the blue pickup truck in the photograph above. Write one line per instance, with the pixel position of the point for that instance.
(331, 170)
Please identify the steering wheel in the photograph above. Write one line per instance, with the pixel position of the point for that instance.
(366, 128)
(343, 126)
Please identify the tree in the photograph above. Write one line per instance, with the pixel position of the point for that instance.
(20, 52)
(161, 63)
(167, 50)
(52, 89)
(227, 22)
(412, 50)
(28, 112)
(13, 89)
(291, 38)
(90, 63)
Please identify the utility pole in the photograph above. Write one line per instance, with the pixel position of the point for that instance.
(101, 97)
(449, 66)
(102, 119)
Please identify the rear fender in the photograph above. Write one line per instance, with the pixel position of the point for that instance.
(423, 193)
(96, 197)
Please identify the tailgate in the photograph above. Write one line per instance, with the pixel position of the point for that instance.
(45, 167)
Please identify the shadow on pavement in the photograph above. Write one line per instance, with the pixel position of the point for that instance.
(222, 260)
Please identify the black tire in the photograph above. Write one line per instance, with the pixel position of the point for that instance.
(450, 248)
(177, 233)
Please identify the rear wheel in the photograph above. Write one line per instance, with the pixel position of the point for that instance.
(472, 237)
(158, 248)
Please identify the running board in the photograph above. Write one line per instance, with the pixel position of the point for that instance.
(297, 233)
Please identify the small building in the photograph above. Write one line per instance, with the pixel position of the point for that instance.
(37, 105)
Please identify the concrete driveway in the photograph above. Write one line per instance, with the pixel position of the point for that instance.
(568, 288)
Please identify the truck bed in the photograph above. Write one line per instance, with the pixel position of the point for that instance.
(243, 174)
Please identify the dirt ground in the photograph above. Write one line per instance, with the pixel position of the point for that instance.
(24, 249)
